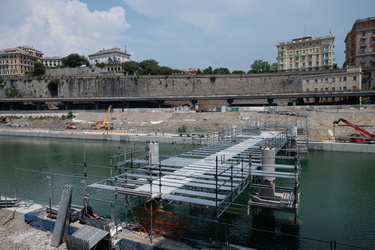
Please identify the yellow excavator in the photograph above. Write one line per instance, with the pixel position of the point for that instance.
(104, 125)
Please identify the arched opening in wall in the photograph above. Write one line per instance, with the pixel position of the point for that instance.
(53, 88)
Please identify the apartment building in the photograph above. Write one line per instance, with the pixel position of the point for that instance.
(349, 79)
(18, 61)
(51, 62)
(114, 55)
(306, 53)
(360, 43)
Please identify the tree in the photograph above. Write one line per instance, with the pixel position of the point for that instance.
(238, 72)
(149, 67)
(274, 67)
(75, 60)
(260, 66)
(39, 69)
(130, 67)
(207, 71)
(221, 71)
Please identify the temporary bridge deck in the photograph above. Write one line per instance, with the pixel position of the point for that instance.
(212, 176)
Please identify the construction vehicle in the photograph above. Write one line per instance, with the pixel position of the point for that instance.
(71, 126)
(3, 119)
(104, 125)
(362, 137)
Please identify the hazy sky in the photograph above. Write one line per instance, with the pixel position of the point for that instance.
(180, 34)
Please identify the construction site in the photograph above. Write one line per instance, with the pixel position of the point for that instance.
(152, 195)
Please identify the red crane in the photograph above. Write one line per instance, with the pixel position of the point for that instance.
(361, 130)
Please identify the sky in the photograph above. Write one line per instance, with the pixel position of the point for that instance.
(180, 34)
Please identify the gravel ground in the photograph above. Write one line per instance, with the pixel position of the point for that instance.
(320, 122)
(17, 235)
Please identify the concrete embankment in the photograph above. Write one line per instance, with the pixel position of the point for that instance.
(173, 138)
(112, 136)
(342, 147)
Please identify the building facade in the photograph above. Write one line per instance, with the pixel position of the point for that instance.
(51, 62)
(18, 61)
(360, 43)
(114, 56)
(349, 79)
(306, 53)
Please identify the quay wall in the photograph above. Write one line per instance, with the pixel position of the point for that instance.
(150, 86)
(342, 147)
(110, 137)
(313, 145)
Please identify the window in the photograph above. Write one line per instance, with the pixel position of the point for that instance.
(363, 33)
(310, 51)
(333, 88)
(316, 81)
(344, 79)
(344, 88)
(326, 80)
(333, 79)
(317, 43)
(304, 45)
(373, 32)
(297, 45)
(303, 51)
(363, 50)
(310, 44)
(307, 90)
(326, 89)
(307, 81)
(291, 47)
(354, 87)
(354, 78)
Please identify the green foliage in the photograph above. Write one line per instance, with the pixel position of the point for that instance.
(12, 93)
(238, 72)
(1, 80)
(130, 67)
(100, 65)
(274, 67)
(366, 100)
(147, 67)
(199, 72)
(260, 66)
(182, 129)
(39, 69)
(55, 81)
(221, 71)
(208, 70)
(75, 60)
(69, 116)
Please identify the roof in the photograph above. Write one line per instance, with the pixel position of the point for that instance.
(109, 51)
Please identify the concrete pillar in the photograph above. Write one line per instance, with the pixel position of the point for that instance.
(153, 153)
(193, 103)
(234, 131)
(316, 99)
(160, 103)
(230, 102)
(268, 164)
(270, 101)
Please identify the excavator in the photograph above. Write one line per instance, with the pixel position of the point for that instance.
(362, 137)
(3, 119)
(104, 125)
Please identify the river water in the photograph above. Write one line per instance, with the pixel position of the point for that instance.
(337, 200)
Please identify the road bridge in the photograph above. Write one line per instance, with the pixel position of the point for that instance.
(95, 102)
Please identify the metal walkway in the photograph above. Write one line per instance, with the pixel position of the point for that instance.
(212, 176)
